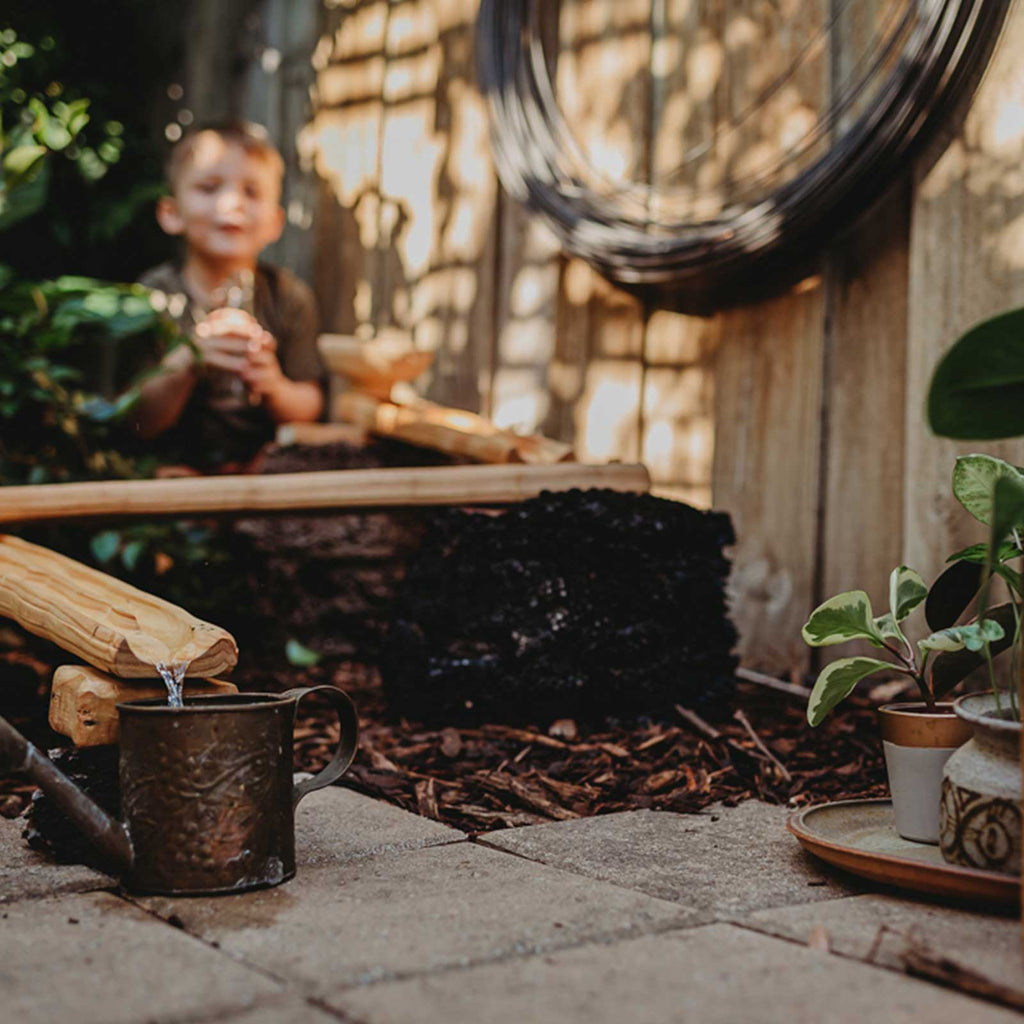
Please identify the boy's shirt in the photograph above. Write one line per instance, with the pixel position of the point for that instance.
(210, 431)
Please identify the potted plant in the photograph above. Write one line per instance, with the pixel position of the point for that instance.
(977, 393)
(918, 737)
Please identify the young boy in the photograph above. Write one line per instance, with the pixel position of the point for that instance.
(257, 364)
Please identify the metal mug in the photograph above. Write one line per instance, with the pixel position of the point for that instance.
(207, 792)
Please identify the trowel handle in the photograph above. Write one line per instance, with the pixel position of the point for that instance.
(347, 743)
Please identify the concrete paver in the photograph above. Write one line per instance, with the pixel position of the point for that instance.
(95, 959)
(334, 825)
(723, 862)
(287, 1010)
(984, 943)
(25, 873)
(718, 974)
(409, 912)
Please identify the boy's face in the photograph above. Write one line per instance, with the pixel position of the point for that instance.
(225, 203)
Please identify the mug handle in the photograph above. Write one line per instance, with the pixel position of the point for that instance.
(349, 722)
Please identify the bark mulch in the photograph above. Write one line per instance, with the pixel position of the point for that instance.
(493, 776)
(497, 776)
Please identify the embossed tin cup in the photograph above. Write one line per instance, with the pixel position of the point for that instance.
(207, 792)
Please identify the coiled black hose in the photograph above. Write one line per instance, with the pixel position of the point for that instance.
(944, 45)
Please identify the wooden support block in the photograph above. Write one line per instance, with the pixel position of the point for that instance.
(291, 492)
(454, 431)
(110, 624)
(83, 701)
(320, 433)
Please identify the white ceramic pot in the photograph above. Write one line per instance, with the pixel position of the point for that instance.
(980, 818)
(918, 741)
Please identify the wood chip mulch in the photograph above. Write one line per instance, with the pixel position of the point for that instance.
(496, 776)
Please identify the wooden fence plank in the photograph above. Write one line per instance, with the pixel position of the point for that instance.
(343, 140)
(768, 375)
(865, 381)
(597, 371)
(966, 263)
(866, 279)
(438, 196)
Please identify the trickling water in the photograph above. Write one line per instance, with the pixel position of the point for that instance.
(173, 676)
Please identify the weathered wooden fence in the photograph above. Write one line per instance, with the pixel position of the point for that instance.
(801, 415)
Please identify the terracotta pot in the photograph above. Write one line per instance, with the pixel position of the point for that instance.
(980, 819)
(918, 741)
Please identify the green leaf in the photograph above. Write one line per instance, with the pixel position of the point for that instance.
(973, 636)
(836, 682)
(841, 618)
(906, 592)
(974, 478)
(887, 628)
(105, 545)
(1007, 512)
(301, 657)
(977, 390)
(979, 553)
(26, 197)
(953, 667)
(130, 554)
(944, 640)
(21, 160)
(952, 593)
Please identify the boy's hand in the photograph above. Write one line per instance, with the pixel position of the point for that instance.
(224, 339)
(262, 373)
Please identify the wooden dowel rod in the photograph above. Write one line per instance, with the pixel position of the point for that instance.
(335, 489)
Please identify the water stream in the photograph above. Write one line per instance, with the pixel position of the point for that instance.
(173, 676)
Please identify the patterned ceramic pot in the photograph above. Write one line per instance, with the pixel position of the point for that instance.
(980, 817)
(917, 742)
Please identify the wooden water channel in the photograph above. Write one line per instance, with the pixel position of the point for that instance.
(801, 414)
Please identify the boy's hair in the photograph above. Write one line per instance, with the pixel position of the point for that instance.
(252, 137)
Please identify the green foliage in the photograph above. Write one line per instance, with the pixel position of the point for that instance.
(56, 419)
(54, 422)
(37, 127)
(977, 390)
(836, 682)
(849, 616)
(906, 592)
(299, 656)
(840, 619)
(974, 477)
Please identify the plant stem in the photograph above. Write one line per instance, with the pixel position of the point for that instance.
(992, 678)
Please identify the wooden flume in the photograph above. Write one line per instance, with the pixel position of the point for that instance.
(110, 624)
(335, 489)
(83, 701)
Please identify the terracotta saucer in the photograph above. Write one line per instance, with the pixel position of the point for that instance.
(859, 836)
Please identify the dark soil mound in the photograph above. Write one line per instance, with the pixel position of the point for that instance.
(580, 604)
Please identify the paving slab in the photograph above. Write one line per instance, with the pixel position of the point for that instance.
(403, 913)
(335, 825)
(881, 928)
(717, 974)
(722, 862)
(288, 1010)
(25, 874)
(95, 959)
